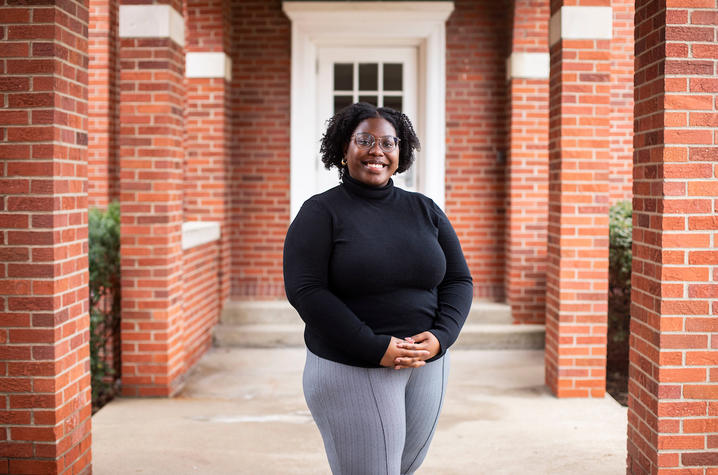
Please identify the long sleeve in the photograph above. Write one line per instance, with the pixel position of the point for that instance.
(456, 290)
(307, 250)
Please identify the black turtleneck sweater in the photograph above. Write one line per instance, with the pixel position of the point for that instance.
(362, 264)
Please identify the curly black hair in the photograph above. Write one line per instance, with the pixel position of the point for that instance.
(343, 124)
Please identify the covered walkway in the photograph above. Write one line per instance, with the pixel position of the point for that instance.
(242, 412)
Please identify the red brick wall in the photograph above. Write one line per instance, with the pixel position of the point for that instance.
(477, 45)
(673, 387)
(200, 302)
(579, 163)
(103, 103)
(527, 165)
(208, 24)
(620, 179)
(260, 146)
(45, 395)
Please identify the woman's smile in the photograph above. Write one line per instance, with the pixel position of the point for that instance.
(375, 165)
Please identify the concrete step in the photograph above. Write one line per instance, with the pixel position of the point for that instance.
(238, 312)
(259, 335)
(275, 323)
(489, 313)
(243, 312)
(473, 336)
(499, 336)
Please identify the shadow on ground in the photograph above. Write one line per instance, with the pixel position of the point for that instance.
(242, 412)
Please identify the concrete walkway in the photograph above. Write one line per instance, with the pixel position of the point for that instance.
(242, 412)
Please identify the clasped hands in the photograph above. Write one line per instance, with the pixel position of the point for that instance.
(411, 352)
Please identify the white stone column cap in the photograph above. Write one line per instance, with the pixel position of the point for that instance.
(581, 23)
(196, 233)
(208, 65)
(522, 65)
(151, 21)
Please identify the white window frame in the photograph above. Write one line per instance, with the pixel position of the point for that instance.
(420, 24)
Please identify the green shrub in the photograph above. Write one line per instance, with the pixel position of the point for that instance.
(104, 263)
(620, 232)
(619, 289)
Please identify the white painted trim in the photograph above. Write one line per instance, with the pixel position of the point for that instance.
(208, 65)
(581, 23)
(432, 114)
(394, 15)
(151, 21)
(528, 65)
(355, 24)
(196, 233)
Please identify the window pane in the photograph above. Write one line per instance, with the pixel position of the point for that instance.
(393, 76)
(395, 102)
(368, 77)
(340, 102)
(370, 99)
(343, 77)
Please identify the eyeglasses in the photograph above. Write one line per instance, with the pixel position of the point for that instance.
(365, 141)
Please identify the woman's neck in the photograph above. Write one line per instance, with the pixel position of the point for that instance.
(367, 191)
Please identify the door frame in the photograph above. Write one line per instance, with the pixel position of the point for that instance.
(355, 24)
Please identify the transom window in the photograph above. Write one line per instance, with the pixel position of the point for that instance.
(380, 84)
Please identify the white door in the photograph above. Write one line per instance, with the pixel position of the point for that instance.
(385, 77)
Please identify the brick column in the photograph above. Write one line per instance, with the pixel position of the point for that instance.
(528, 69)
(209, 74)
(577, 275)
(45, 396)
(620, 179)
(673, 386)
(151, 154)
(103, 103)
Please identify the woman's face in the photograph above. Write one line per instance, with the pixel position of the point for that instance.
(373, 166)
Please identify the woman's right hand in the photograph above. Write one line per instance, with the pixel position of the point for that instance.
(410, 357)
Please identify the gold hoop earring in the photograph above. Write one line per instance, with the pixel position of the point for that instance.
(344, 162)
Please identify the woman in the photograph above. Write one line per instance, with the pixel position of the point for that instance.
(378, 276)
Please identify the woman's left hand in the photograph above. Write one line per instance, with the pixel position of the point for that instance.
(423, 341)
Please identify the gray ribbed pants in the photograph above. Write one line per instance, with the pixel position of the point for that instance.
(374, 421)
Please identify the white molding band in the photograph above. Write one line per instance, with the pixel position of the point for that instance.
(420, 24)
(581, 23)
(402, 16)
(528, 66)
(151, 21)
(208, 65)
(196, 233)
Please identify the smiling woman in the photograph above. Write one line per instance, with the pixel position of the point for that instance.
(379, 278)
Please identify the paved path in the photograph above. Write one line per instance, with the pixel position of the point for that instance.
(242, 412)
